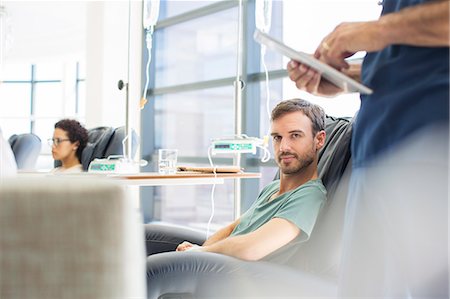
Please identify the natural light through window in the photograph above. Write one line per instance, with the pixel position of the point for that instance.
(306, 23)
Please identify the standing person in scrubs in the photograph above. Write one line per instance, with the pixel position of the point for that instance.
(395, 238)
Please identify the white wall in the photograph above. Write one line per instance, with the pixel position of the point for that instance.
(44, 30)
(94, 31)
(107, 62)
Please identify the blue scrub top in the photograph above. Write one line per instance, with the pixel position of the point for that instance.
(411, 92)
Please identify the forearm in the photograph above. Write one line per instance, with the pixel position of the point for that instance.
(221, 234)
(420, 25)
(259, 243)
(236, 246)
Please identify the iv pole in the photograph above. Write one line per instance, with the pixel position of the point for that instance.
(238, 87)
(128, 139)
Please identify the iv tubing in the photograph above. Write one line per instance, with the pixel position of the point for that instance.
(212, 192)
(148, 40)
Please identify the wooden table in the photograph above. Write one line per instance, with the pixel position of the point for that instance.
(184, 178)
(151, 178)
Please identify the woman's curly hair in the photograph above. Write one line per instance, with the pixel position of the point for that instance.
(75, 132)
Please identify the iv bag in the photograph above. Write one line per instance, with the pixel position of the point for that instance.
(151, 13)
(263, 15)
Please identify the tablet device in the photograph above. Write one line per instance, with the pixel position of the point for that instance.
(331, 74)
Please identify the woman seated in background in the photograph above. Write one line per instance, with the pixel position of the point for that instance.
(69, 140)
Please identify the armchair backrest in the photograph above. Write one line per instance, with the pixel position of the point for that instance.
(115, 146)
(335, 154)
(69, 238)
(321, 253)
(98, 140)
(26, 148)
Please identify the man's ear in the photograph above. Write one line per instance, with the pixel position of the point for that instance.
(320, 139)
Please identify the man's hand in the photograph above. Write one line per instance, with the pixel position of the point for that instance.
(185, 246)
(309, 80)
(347, 39)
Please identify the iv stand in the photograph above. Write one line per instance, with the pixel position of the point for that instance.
(121, 84)
(238, 87)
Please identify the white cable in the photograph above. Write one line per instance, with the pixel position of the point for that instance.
(266, 156)
(263, 20)
(266, 72)
(148, 40)
(124, 146)
(149, 20)
(212, 191)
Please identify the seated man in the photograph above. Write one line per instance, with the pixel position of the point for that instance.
(286, 210)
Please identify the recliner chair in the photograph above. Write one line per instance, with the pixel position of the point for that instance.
(313, 272)
(26, 148)
(104, 142)
(69, 238)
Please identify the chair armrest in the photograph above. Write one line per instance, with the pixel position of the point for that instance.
(212, 275)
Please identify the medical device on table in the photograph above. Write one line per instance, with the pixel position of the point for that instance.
(239, 144)
(112, 164)
(116, 163)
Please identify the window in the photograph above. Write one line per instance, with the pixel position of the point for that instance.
(194, 67)
(34, 97)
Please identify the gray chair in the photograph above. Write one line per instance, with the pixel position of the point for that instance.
(104, 142)
(115, 146)
(312, 272)
(69, 238)
(26, 148)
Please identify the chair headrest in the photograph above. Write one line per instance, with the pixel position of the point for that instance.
(335, 154)
(26, 148)
(98, 140)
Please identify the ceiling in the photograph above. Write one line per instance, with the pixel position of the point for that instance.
(42, 30)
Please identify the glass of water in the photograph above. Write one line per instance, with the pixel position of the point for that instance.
(167, 161)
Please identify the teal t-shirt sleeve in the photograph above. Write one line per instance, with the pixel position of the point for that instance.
(302, 208)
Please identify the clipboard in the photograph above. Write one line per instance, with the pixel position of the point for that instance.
(329, 73)
(219, 169)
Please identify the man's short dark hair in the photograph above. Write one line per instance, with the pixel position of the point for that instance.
(314, 112)
(75, 132)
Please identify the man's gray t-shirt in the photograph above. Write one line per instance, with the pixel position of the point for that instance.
(300, 206)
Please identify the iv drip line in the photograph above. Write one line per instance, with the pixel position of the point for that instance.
(263, 15)
(151, 13)
(212, 192)
(148, 41)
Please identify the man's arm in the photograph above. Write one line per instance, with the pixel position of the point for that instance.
(419, 25)
(257, 244)
(221, 234)
(424, 25)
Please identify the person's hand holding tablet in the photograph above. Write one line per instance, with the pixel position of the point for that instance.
(316, 74)
(310, 80)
